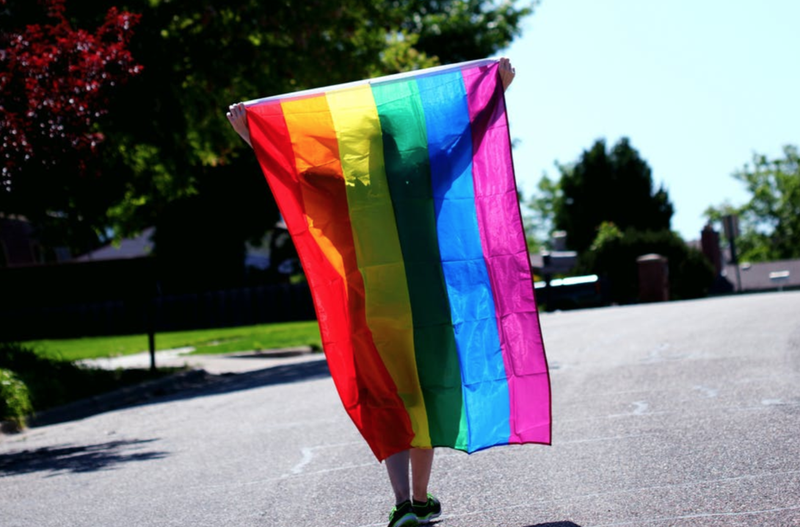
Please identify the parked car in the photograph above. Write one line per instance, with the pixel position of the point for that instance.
(573, 292)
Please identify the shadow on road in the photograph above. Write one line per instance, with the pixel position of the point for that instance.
(197, 383)
(236, 382)
(272, 354)
(77, 459)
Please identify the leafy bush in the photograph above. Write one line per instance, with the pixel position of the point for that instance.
(15, 404)
(47, 379)
(614, 257)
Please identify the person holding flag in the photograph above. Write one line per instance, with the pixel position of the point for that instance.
(413, 504)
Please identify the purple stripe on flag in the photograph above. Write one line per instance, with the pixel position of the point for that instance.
(506, 254)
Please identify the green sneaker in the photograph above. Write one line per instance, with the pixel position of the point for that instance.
(427, 511)
(403, 516)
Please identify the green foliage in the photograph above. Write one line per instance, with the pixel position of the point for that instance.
(607, 233)
(770, 221)
(15, 404)
(402, 51)
(169, 141)
(455, 31)
(44, 377)
(606, 186)
(542, 206)
(614, 255)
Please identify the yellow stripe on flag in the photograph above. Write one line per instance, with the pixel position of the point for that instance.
(377, 245)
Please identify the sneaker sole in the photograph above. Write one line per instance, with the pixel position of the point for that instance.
(424, 520)
(408, 520)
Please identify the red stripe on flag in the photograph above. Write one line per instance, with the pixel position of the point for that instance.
(365, 386)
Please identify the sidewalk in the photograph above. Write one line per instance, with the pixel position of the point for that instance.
(238, 362)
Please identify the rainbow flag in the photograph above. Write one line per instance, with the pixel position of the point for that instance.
(400, 197)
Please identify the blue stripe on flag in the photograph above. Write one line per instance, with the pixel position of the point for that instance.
(444, 101)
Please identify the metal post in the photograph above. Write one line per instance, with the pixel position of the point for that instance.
(730, 222)
(154, 292)
(151, 332)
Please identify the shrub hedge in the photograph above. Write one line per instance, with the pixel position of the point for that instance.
(15, 402)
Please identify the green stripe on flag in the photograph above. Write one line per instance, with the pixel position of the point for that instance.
(408, 174)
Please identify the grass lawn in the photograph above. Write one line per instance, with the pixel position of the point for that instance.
(206, 341)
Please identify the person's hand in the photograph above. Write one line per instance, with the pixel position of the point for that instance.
(238, 119)
(507, 73)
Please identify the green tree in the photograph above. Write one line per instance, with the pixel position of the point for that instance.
(169, 131)
(539, 213)
(613, 256)
(605, 186)
(607, 204)
(456, 31)
(770, 221)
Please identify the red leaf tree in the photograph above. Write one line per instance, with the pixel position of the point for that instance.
(56, 83)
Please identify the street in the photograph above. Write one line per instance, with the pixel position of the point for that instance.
(674, 414)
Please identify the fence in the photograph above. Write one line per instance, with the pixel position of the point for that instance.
(119, 299)
(232, 307)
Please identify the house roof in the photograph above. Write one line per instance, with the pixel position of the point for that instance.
(765, 276)
(136, 247)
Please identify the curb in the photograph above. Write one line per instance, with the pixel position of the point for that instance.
(127, 396)
(9, 428)
(114, 400)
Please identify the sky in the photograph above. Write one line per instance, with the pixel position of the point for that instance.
(698, 86)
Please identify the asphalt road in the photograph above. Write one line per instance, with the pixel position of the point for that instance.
(678, 414)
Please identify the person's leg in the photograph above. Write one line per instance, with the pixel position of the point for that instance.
(402, 515)
(425, 506)
(397, 467)
(421, 463)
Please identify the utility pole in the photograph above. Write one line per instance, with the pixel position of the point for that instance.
(730, 223)
(152, 290)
